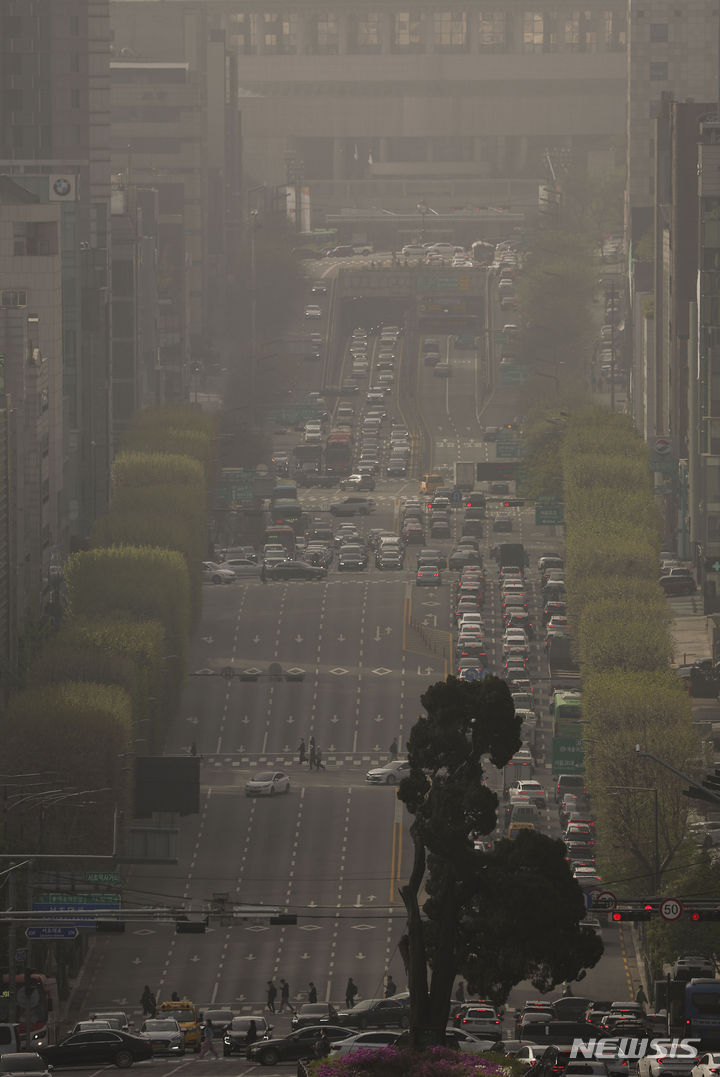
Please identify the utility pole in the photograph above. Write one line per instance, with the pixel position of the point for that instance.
(12, 985)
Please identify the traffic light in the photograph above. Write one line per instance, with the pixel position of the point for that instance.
(190, 927)
(110, 927)
(642, 912)
(712, 783)
(704, 914)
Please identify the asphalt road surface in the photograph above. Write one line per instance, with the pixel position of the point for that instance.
(334, 850)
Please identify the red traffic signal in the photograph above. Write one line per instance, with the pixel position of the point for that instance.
(640, 913)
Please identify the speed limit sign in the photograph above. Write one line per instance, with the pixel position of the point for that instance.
(671, 909)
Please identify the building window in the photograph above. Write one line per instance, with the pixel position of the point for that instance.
(10, 298)
(74, 98)
(450, 31)
(280, 33)
(31, 238)
(407, 34)
(491, 31)
(658, 71)
(451, 148)
(75, 62)
(658, 32)
(615, 31)
(533, 31)
(45, 445)
(365, 33)
(243, 33)
(75, 25)
(408, 149)
(324, 36)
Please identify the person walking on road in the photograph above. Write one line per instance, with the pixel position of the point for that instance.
(460, 992)
(271, 996)
(251, 1035)
(312, 993)
(313, 754)
(641, 997)
(350, 993)
(322, 1045)
(284, 995)
(391, 988)
(263, 574)
(301, 751)
(394, 749)
(319, 765)
(147, 1001)
(208, 1047)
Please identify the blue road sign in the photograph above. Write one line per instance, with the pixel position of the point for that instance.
(456, 497)
(51, 931)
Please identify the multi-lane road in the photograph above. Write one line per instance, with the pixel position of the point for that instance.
(334, 849)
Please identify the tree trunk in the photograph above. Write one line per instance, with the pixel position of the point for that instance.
(412, 949)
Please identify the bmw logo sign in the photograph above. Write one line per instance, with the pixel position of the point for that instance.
(61, 186)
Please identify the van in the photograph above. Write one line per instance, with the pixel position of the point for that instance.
(10, 1042)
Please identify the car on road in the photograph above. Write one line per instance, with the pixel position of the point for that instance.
(103, 1047)
(389, 558)
(313, 312)
(165, 1035)
(267, 783)
(377, 1013)
(295, 570)
(707, 1065)
(308, 1014)
(243, 567)
(354, 505)
(462, 556)
(214, 573)
(235, 1038)
(23, 1062)
(389, 774)
(442, 370)
(358, 482)
(529, 790)
(352, 558)
(319, 288)
(678, 585)
(296, 1045)
(428, 576)
(368, 1041)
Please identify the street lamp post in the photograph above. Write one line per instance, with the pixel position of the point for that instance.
(648, 789)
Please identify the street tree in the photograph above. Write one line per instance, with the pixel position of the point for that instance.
(495, 918)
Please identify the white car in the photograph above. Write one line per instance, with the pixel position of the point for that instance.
(707, 1065)
(242, 566)
(368, 1041)
(267, 784)
(313, 312)
(165, 1035)
(483, 1020)
(214, 573)
(389, 774)
(460, 1040)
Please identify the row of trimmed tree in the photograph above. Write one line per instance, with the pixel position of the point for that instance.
(107, 683)
(632, 701)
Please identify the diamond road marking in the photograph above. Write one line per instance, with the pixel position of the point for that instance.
(252, 670)
(309, 927)
(381, 671)
(363, 927)
(144, 931)
(257, 927)
(338, 671)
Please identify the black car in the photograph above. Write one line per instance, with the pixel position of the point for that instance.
(378, 1013)
(352, 506)
(389, 559)
(235, 1035)
(25, 1063)
(352, 558)
(309, 1014)
(295, 570)
(107, 1046)
(295, 1045)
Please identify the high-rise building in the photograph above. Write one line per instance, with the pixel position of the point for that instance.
(54, 140)
(672, 48)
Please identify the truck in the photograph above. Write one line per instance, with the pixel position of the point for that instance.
(338, 452)
(464, 475)
(189, 1018)
(512, 555)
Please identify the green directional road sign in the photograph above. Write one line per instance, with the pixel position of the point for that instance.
(568, 755)
(549, 514)
(513, 375)
(105, 878)
(508, 450)
(292, 414)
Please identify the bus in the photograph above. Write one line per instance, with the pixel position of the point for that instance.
(566, 711)
(702, 1012)
(280, 534)
(483, 253)
(40, 999)
(285, 490)
(285, 511)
